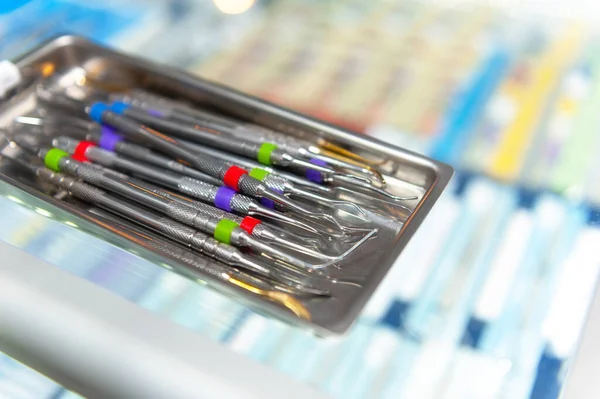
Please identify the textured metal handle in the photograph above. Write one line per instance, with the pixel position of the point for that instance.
(197, 240)
(251, 186)
(192, 217)
(87, 173)
(142, 98)
(226, 142)
(82, 191)
(105, 180)
(189, 258)
(242, 204)
(101, 156)
(258, 134)
(149, 156)
(276, 183)
(86, 192)
(211, 166)
(175, 230)
(197, 189)
(206, 209)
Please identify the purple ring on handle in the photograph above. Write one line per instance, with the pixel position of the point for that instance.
(223, 198)
(109, 139)
(315, 175)
(155, 112)
(270, 203)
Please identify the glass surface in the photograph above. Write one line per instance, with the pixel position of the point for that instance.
(489, 298)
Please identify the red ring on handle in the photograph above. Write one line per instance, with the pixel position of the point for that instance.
(232, 177)
(79, 153)
(249, 223)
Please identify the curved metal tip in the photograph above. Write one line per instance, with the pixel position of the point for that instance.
(371, 187)
(288, 301)
(328, 171)
(294, 305)
(288, 244)
(329, 146)
(305, 194)
(272, 214)
(349, 251)
(317, 215)
(301, 290)
(354, 247)
(348, 163)
(289, 203)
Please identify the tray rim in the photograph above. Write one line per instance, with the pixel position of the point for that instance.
(269, 114)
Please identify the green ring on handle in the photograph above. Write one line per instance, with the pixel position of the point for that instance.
(224, 229)
(53, 157)
(259, 174)
(264, 153)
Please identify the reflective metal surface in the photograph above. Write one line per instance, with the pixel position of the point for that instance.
(67, 58)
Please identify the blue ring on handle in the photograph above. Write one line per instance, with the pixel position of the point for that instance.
(97, 110)
(119, 107)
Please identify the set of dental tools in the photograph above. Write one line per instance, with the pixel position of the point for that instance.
(280, 214)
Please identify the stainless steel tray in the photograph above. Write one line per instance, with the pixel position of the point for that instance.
(407, 173)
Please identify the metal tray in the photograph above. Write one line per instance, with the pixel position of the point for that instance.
(407, 173)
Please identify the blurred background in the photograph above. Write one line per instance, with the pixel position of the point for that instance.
(490, 297)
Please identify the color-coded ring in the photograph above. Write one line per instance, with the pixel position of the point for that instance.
(315, 175)
(53, 157)
(118, 107)
(96, 111)
(79, 153)
(264, 153)
(259, 174)
(223, 198)
(232, 177)
(109, 139)
(155, 112)
(224, 229)
(268, 202)
(249, 223)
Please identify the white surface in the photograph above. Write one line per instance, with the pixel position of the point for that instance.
(10, 76)
(100, 345)
(582, 381)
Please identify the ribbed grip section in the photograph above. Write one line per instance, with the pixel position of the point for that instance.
(241, 203)
(276, 183)
(140, 98)
(259, 229)
(134, 151)
(290, 143)
(106, 171)
(213, 212)
(176, 166)
(87, 173)
(259, 134)
(211, 166)
(189, 258)
(101, 156)
(241, 147)
(212, 247)
(251, 186)
(277, 157)
(175, 230)
(192, 217)
(65, 143)
(205, 209)
(197, 189)
(254, 133)
(85, 192)
(52, 177)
